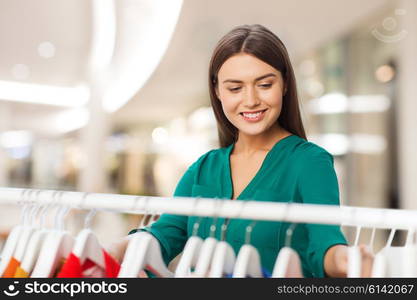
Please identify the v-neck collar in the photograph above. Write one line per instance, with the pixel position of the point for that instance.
(229, 150)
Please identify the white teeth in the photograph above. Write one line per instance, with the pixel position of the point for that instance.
(252, 116)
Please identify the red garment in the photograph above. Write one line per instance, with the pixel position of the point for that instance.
(73, 268)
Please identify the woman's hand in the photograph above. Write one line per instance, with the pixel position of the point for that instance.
(336, 261)
(117, 248)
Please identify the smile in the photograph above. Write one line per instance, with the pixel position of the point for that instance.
(253, 116)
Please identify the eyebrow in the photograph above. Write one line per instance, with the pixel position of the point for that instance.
(256, 79)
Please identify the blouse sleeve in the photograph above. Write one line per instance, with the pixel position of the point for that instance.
(169, 229)
(318, 185)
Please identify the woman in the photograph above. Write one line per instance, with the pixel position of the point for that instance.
(264, 156)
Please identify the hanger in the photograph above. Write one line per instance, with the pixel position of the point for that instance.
(354, 264)
(379, 268)
(397, 261)
(410, 257)
(224, 257)
(86, 244)
(56, 247)
(143, 252)
(248, 261)
(28, 230)
(191, 250)
(13, 237)
(287, 264)
(143, 221)
(372, 240)
(367, 260)
(207, 249)
(35, 243)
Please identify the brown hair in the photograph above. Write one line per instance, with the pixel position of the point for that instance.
(266, 46)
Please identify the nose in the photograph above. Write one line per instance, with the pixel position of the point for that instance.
(251, 98)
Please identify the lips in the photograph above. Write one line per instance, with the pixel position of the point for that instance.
(253, 116)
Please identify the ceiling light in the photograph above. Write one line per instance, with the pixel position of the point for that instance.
(44, 94)
(16, 139)
(160, 135)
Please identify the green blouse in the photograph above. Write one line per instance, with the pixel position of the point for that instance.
(294, 170)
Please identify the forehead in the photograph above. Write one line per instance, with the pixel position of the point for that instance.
(244, 66)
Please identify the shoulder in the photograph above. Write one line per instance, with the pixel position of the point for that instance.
(211, 157)
(309, 152)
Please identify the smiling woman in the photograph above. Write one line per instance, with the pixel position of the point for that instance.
(264, 156)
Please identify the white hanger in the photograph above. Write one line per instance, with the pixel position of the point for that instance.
(206, 253)
(188, 258)
(224, 257)
(410, 255)
(142, 221)
(191, 250)
(56, 247)
(372, 240)
(143, 252)
(28, 231)
(86, 244)
(397, 261)
(248, 261)
(35, 243)
(354, 265)
(14, 235)
(379, 267)
(287, 263)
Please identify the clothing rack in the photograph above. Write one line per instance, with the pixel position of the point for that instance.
(257, 210)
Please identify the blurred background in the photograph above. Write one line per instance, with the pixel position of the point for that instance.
(111, 96)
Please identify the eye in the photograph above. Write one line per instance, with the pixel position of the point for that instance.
(235, 89)
(265, 85)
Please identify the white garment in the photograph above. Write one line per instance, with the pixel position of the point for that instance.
(396, 262)
(287, 265)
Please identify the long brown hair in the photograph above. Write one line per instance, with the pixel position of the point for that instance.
(266, 46)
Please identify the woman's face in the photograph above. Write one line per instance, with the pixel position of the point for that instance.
(250, 92)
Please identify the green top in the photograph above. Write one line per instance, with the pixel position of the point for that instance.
(294, 170)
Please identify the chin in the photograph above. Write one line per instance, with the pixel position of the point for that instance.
(253, 132)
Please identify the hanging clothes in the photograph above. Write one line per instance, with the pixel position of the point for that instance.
(11, 268)
(293, 170)
(74, 269)
(20, 273)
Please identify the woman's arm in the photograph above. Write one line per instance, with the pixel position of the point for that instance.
(317, 184)
(335, 261)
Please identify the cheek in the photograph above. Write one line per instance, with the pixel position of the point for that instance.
(273, 98)
(229, 102)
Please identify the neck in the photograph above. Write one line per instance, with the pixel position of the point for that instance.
(249, 144)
